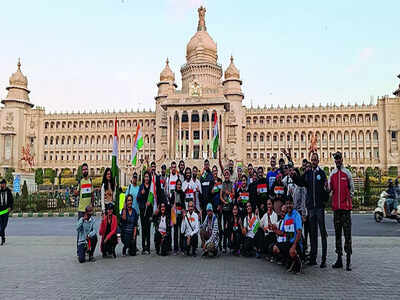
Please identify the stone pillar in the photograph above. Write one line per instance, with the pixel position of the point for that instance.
(209, 133)
(180, 136)
(190, 152)
(201, 151)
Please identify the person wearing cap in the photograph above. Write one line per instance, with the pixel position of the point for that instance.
(6, 206)
(342, 187)
(209, 233)
(87, 237)
(316, 183)
(133, 190)
(108, 231)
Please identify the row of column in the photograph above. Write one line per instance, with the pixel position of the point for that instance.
(175, 133)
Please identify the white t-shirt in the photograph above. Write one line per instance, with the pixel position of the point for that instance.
(189, 188)
(162, 228)
(264, 221)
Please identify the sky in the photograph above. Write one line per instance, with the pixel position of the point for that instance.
(108, 54)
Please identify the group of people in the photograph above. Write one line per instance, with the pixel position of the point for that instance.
(270, 215)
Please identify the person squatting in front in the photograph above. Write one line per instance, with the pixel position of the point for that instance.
(87, 237)
(108, 232)
(190, 230)
(162, 234)
(209, 233)
(290, 245)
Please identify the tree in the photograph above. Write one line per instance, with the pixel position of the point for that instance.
(25, 191)
(39, 176)
(8, 176)
(79, 175)
(50, 174)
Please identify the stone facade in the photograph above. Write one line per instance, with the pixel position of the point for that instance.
(181, 125)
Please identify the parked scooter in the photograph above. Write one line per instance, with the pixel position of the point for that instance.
(380, 211)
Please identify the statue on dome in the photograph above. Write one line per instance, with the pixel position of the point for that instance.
(313, 145)
(195, 89)
(27, 156)
(202, 21)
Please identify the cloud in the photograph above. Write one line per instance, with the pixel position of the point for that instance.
(179, 8)
(362, 58)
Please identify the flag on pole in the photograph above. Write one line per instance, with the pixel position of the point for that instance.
(137, 144)
(215, 133)
(152, 198)
(114, 167)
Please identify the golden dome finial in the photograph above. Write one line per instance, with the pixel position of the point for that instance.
(167, 61)
(19, 63)
(202, 21)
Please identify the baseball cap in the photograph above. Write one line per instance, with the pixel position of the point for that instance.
(163, 167)
(134, 174)
(209, 207)
(337, 155)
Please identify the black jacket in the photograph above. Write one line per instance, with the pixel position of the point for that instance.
(206, 181)
(6, 199)
(314, 180)
(157, 220)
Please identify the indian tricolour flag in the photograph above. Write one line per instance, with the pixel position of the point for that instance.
(215, 133)
(254, 224)
(137, 144)
(86, 190)
(152, 198)
(262, 188)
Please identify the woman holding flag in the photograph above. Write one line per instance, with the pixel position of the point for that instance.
(146, 210)
(251, 224)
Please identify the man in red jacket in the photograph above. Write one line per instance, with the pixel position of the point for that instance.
(342, 186)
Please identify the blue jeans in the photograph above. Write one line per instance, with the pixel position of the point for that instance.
(83, 247)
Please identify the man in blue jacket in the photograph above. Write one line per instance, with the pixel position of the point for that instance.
(87, 238)
(316, 183)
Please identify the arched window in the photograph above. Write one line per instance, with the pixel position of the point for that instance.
(248, 137)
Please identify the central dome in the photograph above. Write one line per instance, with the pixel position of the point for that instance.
(201, 47)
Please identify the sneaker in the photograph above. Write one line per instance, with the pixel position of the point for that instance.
(143, 252)
(291, 266)
(272, 260)
(323, 264)
(312, 263)
(175, 253)
(224, 251)
(92, 259)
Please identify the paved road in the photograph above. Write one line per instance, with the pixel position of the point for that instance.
(39, 262)
(363, 225)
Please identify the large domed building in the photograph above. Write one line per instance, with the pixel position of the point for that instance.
(181, 125)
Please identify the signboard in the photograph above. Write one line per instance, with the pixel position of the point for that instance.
(17, 184)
